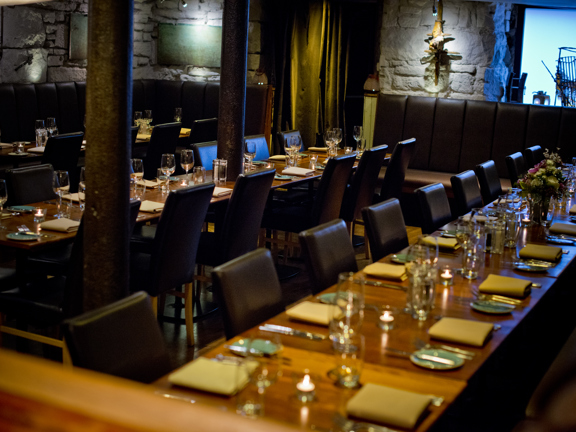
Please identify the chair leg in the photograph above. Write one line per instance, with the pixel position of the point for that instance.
(154, 301)
(189, 312)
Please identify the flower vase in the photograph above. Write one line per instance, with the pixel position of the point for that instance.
(539, 209)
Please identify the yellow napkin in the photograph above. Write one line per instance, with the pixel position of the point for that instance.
(143, 136)
(443, 242)
(297, 171)
(212, 376)
(462, 331)
(386, 271)
(149, 183)
(573, 209)
(545, 253)
(316, 313)
(382, 404)
(278, 157)
(185, 131)
(36, 149)
(61, 225)
(220, 192)
(495, 284)
(563, 228)
(151, 206)
(318, 149)
(6, 145)
(480, 218)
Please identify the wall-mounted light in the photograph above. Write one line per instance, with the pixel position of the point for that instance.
(184, 4)
(434, 8)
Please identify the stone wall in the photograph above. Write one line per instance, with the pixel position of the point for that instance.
(479, 30)
(36, 40)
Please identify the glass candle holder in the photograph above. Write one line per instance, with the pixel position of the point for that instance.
(446, 276)
(305, 388)
(387, 318)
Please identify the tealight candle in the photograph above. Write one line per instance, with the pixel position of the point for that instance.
(39, 214)
(184, 182)
(447, 277)
(305, 389)
(313, 160)
(386, 320)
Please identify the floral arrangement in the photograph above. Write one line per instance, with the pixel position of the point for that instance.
(546, 179)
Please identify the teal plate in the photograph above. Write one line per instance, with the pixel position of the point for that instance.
(399, 258)
(282, 177)
(491, 307)
(429, 364)
(529, 268)
(22, 237)
(21, 208)
(18, 154)
(256, 346)
(329, 298)
(449, 233)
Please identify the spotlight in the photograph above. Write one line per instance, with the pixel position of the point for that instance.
(184, 4)
(434, 8)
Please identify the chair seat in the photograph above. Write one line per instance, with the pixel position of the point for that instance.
(290, 219)
(53, 262)
(142, 238)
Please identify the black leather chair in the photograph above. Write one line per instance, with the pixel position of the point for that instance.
(30, 184)
(62, 152)
(516, 167)
(385, 228)
(262, 151)
(466, 192)
(532, 156)
(248, 291)
(121, 339)
(490, 186)
(434, 207)
(204, 130)
(396, 170)
(170, 259)
(205, 153)
(284, 136)
(164, 139)
(138, 151)
(328, 252)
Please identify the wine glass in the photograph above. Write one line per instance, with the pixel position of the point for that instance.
(3, 199)
(548, 215)
(250, 152)
(337, 136)
(187, 160)
(178, 114)
(358, 134)
(330, 143)
(82, 188)
(295, 145)
(168, 166)
(51, 126)
(136, 172)
(347, 310)
(148, 116)
(61, 185)
(137, 118)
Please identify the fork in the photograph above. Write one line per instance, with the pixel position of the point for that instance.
(463, 354)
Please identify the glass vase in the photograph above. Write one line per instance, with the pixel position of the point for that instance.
(539, 209)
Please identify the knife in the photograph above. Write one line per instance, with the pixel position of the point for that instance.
(292, 332)
(384, 285)
(428, 357)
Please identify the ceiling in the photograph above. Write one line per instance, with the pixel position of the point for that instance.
(543, 3)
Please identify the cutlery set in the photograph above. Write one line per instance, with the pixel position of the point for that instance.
(293, 332)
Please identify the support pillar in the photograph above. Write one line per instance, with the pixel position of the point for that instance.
(235, 22)
(108, 117)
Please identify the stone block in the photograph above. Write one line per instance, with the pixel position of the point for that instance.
(146, 72)
(23, 28)
(254, 34)
(60, 16)
(148, 27)
(410, 70)
(467, 15)
(142, 61)
(55, 60)
(137, 36)
(50, 17)
(253, 61)
(410, 10)
(463, 83)
(403, 44)
(143, 49)
(407, 83)
(451, 12)
(147, 37)
(454, 67)
(255, 10)
(409, 21)
(24, 66)
(63, 74)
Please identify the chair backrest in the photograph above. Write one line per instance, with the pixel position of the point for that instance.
(31, 184)
(239, 232)
(434, 207)
(204, 130)
(328, 252)
(262, 151)
(133, 137)
(248, 291)
(284, 136)
(360, 191)
(516, 167)
(490, 186)
(177, 237)
(62, 152)
(466, 192)
(328, 198)
(121, 339)
(385, 227)
(396, 170)
(533, 155)
(205, 153)
(164, 139)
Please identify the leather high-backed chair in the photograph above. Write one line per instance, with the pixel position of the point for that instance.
(170, 259)
(121, 339)
(490, 186)
(516, 167)
(262, 151)
(328, 252)
(164, 139)
(205, 153)
(466, 192)
(138, 152)
(248, 291)
(532, 156)
(30, 184)
(62, 152)
(396, 170)
(385, 228)
(284, 136)
(204, 130)
(434, 207)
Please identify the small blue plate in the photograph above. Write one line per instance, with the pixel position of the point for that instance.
(491, 307)
(22, 237)
(429, 364)
(282, 177)
(20, 209)
(255, 346)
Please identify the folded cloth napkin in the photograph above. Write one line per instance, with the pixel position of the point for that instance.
(185, 131)
(495, 284)
(443, 242)
(318, 149)
(383, 404)
(62, 225)
(462, 331)
(480, 218)
(278, 157)
(150, 183)
(143, 136)
(212, 376)
(220, 192)
(563, 228)
(297, 171)
(6, 145)
(73, 197)
(544, 253)
(36, 149)
(151, 206)
(386, 271)
(316, 313)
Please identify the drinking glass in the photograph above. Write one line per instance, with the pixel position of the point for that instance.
(51, 126)
(471, 262)
(137, 118)
(3, 199)
(349, 356)
(250, 152)
(421, 291)
(61, 185)
(548, 216)
(358, 135)
(82, 189)
(178, 115)
(361, 146)
(463, 231)
(187, 160)
(39, 124)
(222, 171)
(40, 132)
(161, 181)
(512, 227)
(347, 311)
(250, 397)
(337, 136)
(199, 175)
(168, 166)
(148, 116)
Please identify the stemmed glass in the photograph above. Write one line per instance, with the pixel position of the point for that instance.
(61, 185)
(3, 199)
(330, 143)
(187, 160)
(295, 144)
(82, 189)
(137, 118)
(548, 216)
(178, 114)
(347, 310)
(41, 133)
(337, 136)
(136, 173)
(168, 166)
(358, 135)
(288, 151)
(249, 153)
(51, 126)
